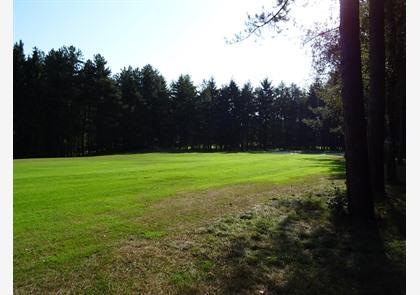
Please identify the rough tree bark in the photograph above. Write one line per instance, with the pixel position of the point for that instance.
(357, 167)
(376, 103)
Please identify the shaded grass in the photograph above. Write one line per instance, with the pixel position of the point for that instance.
(295, 245)
(71, 213)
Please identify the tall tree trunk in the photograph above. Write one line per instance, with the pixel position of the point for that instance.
(401, 79)
(391, 97)
(357, 167)
(376, 104)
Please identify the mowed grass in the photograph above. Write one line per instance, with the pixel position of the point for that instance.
(67, 210)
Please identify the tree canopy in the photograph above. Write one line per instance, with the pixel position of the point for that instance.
(67, 106)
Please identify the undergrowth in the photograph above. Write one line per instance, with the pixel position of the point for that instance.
(301, 244)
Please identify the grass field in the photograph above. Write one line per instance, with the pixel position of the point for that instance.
(118, 224)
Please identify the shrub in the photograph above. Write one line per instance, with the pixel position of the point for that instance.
(338, 202)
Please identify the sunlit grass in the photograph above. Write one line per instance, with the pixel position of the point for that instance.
(68, 209)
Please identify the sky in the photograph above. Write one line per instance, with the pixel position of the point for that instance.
(174, 36)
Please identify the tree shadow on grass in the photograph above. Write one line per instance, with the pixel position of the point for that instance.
(305, 252)
(336, 165)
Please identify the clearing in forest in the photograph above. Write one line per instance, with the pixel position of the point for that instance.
(75, 218)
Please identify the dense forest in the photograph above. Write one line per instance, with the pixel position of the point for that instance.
(65, 106)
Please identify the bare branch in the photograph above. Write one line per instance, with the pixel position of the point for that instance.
(320, 35)
(257, 26)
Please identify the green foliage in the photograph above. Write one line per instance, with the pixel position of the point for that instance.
(338, 202)
(183, 101)
(65, 106)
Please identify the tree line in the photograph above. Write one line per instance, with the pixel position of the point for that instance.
(65, 106)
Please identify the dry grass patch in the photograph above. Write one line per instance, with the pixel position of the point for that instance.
(192, 209)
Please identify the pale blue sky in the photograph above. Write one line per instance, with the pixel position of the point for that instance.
(175, 36)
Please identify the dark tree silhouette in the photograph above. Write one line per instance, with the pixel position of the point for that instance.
(395, 82)
(20, 108)
(265, 113)
(183, 100)
(376, 103)
(65, 106)
(356, 153)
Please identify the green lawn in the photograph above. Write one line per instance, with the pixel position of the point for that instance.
(67, 211)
